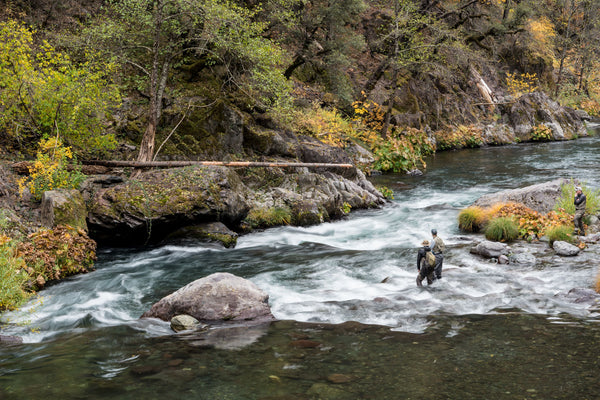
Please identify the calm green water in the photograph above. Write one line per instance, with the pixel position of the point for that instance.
(486, 331)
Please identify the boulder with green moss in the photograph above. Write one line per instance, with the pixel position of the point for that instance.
(160, 202)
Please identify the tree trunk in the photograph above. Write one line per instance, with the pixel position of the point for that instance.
(147, 146)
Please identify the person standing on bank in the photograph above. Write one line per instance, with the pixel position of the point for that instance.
(438, 247)
(580, 203)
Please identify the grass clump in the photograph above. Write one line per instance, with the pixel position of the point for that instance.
(502, 229)
(267, 217)
(560, 233)
(472, 219)
(13, 276)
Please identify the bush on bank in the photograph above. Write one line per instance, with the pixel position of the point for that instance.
(530, 223)
(28, 263)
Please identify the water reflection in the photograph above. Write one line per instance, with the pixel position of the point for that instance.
(508, 356)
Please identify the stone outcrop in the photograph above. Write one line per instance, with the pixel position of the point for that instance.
(541, 197)
(537, 108)
(216, 298)
(63, 207)
(161, 202)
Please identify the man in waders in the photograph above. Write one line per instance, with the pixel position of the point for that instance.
(580, 203)
(438, 247)
(425, 264)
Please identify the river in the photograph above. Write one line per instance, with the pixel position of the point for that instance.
(485, 331)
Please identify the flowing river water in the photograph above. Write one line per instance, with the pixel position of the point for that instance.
(485, 331)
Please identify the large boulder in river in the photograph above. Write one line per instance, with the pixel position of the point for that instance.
(217, 297)
(541, 197)
(160, 202)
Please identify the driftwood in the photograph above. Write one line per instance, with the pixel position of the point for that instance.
(175, 164)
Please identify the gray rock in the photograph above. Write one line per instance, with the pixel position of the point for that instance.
(217, 297)
(212, 232)
(159, 202)
(185, 322)
(63, 207)
(522, 258)
(502, 259)
(490, 249)
(541, 197)
(590, 238)
(6, 339)
(565, 249)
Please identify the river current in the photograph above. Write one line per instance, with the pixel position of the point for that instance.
(353, 324)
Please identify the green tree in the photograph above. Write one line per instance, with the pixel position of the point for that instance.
(411, 43)
(153, 37)
(44, 93)
(323, 37)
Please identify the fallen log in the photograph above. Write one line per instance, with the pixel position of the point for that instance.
(175, 164)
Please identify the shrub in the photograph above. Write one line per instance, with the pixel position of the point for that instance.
(459, 138)
(531, 223)
(403, 151)
(560, 233)
(502, 229)
(472, 219)
(50, 170)
(520, 84)
(386, 192)
(541, 133)
(13, 276)
(327, 125)
(59, 252)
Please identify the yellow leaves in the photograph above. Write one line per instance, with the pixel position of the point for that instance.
(542, 31)
(4, 239)
(49, 171)
(520, 84)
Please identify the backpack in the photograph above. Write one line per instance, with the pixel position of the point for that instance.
(430, 257)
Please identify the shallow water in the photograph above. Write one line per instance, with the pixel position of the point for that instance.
(484, 331)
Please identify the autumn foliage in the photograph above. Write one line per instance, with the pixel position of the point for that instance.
(531, 224)
(57, 253)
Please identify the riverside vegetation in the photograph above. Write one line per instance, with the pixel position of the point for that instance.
(506, 222)
(402, 79)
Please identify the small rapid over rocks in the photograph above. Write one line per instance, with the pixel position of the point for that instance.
(362, 268)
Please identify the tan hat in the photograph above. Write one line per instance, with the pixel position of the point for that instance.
(425, 243)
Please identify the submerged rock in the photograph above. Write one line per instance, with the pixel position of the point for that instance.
(217, 297)
(5, 339)
(212, 232)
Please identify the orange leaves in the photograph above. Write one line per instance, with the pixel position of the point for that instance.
(58, 253)
(531, 222)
